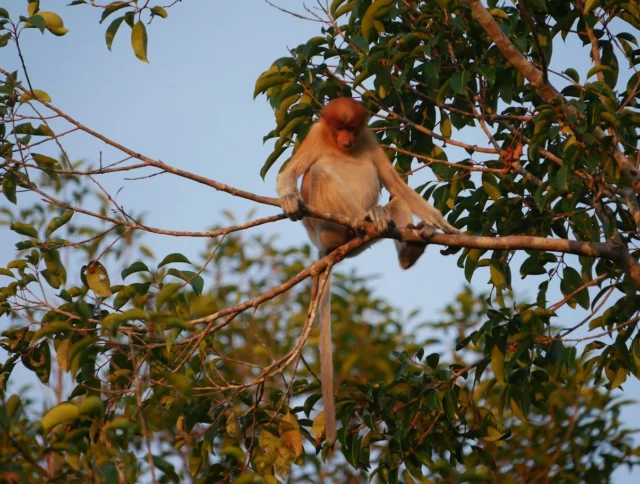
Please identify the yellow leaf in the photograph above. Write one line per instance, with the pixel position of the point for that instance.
(494, 435)
(233, 427)
(368, 19)
(318, 427)
(490, 186)
(98, 279)
(290, 433)
(118, 423)
(497, 363)
(60, 413)
(498, 12)
(33, 7)
(285, 460)
(590, 5)
(92, 405)
(139, 41)
(59, 31)
(269, 444)
(62, 355)
(445, 127)
(37, 94)
(517, 411)
(619, 378)
(51, 20)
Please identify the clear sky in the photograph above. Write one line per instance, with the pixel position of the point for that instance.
(192, 107)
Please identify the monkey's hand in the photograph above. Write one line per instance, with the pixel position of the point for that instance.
(381, 218)
(292, 206)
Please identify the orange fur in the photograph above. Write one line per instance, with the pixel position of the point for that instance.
(343, 168)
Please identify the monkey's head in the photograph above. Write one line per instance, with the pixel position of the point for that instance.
(345, 118)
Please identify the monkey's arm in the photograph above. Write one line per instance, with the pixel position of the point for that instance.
(287, 181)
(398, 188)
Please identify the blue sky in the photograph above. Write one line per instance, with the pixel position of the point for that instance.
(192, 107)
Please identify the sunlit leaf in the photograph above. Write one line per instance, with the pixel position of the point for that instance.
(63, 412)
(98, 279)
(139, 41)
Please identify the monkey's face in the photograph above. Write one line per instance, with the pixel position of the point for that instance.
(346, 138)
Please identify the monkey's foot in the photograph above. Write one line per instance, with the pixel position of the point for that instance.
(381, 218)
(425, 230)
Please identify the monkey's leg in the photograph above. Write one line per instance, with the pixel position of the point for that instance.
(408, 253)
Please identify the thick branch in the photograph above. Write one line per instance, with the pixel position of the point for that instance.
(511, 52)
(532, 73)
(604, 250)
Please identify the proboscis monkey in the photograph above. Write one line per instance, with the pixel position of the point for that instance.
(343, 168)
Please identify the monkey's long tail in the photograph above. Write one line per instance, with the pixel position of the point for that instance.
(326, 365)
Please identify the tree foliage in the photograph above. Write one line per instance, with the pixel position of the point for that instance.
(206, 365)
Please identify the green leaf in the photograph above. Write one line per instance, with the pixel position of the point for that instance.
(9, 187)
(38, 360)
(459, 81)
(36, 21)
(26, 244)
(118, 423)
(139, 41)
(159, 11)
(112, 30)
(490, 186)
(58, 222)
(133, 268)
(165, 293)
(24, 229)
(573, 74)
(98, 279)
(497, 275)
(433, 402)
(271, 160)
(92, 405)
(590, 5)
(269, 80)
(596, 69)
(175, 257)
(572, 281)
(433, 359)
(112, 7)
(369, 17)
(196, 281)
(55, 274)
(46, 163)
(54, 327)
(559, 182)
(4, 40)
(27, 128)
(64, 412)
(166, 467)
(450, 405)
